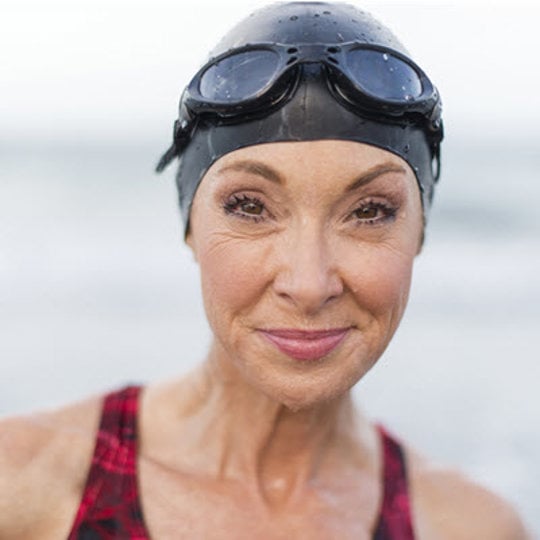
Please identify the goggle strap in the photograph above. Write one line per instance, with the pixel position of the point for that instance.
(182, 132)
(167, 157)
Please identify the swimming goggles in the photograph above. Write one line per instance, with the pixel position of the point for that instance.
(250, 81)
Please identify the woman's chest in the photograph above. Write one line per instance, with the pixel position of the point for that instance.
(181, 507)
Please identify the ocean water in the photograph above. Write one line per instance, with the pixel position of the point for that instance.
(97, 289)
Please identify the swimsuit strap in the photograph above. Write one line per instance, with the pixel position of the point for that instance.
(110, 506)
(395, 517)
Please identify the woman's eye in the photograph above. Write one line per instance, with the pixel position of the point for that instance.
(372, 213)
(245, 207)
(252, 208)
(367, 212)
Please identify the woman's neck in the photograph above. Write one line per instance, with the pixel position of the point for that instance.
(236, 432)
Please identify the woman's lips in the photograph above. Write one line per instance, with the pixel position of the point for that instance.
(306, 344)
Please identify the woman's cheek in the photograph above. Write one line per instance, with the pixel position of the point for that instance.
(233, 274)
(382, 282)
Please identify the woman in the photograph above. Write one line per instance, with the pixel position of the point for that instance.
(309, 150)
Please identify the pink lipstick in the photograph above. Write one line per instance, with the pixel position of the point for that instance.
(305, 344)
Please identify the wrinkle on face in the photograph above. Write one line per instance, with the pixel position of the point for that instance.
(273, 273)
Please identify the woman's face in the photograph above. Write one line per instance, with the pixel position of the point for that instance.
(305, 252)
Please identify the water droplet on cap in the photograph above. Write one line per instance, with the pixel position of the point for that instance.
(294, 17)
(385, 57)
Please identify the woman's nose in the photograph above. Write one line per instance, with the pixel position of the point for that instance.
(307, 274)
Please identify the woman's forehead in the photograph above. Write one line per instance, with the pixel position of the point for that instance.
(326, 157)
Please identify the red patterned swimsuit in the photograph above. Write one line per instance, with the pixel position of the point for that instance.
(111, 508)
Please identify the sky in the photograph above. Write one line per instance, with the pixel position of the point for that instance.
(81, 70)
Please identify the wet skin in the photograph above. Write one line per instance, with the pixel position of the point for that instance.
(306, 245)
(306, 236)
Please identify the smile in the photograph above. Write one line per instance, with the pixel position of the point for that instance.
(303, 344)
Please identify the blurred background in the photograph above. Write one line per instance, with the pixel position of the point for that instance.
(97, 288)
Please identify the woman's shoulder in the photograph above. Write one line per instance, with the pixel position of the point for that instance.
(449, 505)
(44, 460)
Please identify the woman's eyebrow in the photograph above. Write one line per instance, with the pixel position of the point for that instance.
(374, 173)
(261, 169)
(254, 167)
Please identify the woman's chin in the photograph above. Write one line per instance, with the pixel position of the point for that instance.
(296, 402)
(299, 391)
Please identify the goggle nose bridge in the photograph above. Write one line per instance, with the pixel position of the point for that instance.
(312, 53)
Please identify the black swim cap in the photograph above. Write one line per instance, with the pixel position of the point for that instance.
(304, 71)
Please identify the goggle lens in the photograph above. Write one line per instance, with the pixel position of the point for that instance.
(383, 76)
(239, 77)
